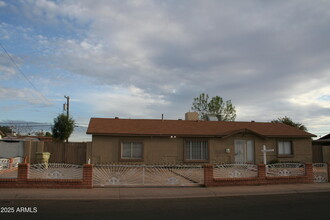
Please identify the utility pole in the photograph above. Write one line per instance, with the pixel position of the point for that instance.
(67, 107)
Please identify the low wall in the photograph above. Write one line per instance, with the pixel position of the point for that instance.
(26, 176)
(260, 179)
(22, 180)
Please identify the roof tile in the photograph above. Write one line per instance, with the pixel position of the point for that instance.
(158, 127)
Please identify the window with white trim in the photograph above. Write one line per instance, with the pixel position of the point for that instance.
(131, 150)
(284, 148)
(196, 150)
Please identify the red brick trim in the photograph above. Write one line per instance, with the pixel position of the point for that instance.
(7, 170)
(262, 171)
(262, 178)
(23, 181)
(11, 163)
(208, 174)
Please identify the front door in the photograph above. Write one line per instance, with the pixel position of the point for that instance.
(244, 151)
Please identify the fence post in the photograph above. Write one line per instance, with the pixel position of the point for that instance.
(11, 160)
(309, 172)
(88, 175)
(208, 174)
(23, 173)
(262, 173)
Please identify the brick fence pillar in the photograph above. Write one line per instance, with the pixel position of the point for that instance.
(11, 160)
(88, 175)
(262, 173)
(309, 172)
(23, 173)
(208, 174)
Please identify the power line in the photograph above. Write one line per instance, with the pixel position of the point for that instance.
(45, 100)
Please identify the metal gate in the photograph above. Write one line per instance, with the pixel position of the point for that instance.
(109, 175)
(320, 172)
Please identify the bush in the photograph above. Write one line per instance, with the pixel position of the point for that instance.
(274, 161)
(277, 161)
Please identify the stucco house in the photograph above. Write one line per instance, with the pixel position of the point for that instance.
(154, 141)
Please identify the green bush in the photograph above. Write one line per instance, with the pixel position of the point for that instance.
(274, 161)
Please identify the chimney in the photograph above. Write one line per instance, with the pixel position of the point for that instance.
(191, 116)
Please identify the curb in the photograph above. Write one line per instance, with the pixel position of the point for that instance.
(159, 193)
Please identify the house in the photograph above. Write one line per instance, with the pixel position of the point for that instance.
(36, 138)
(321, 149)
(1, 134)
(187, 141)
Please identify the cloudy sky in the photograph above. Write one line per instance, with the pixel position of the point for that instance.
(141, 59)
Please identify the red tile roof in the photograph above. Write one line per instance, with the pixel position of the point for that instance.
(156, 127)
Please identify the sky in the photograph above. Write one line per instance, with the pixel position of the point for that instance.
(142, 59)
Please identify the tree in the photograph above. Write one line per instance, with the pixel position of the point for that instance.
(63, 127)
(5, 129)
(48, 134)
(224, 110)
(288, 121)
(39, 133)
(42, 133)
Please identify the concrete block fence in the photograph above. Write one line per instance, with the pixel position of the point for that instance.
(260, 179)
(23, 181)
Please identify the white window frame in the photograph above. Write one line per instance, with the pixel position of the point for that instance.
(131, 150)
(188, 148)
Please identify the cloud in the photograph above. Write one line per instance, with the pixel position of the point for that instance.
(6, 71)
(26, 95)
(269, 58)
(125, 102)
(2, 4)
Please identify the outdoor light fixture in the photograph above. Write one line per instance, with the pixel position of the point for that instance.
(227, 150)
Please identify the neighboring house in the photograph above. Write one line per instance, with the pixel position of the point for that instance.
(321, 149)
(30, 138)
(1, 134)
(191, 141)
(38, 138)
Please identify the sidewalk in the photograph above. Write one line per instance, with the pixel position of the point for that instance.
(158, 193)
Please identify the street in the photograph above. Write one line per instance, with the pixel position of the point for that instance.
(289, 206)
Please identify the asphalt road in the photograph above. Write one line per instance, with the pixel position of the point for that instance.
(290, 206)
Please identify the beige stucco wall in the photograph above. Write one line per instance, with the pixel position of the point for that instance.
(302, 149)
(106, 149)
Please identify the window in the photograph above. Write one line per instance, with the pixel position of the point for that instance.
(284, 148)
(131, 150)
(244, 151)
(196, 150)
